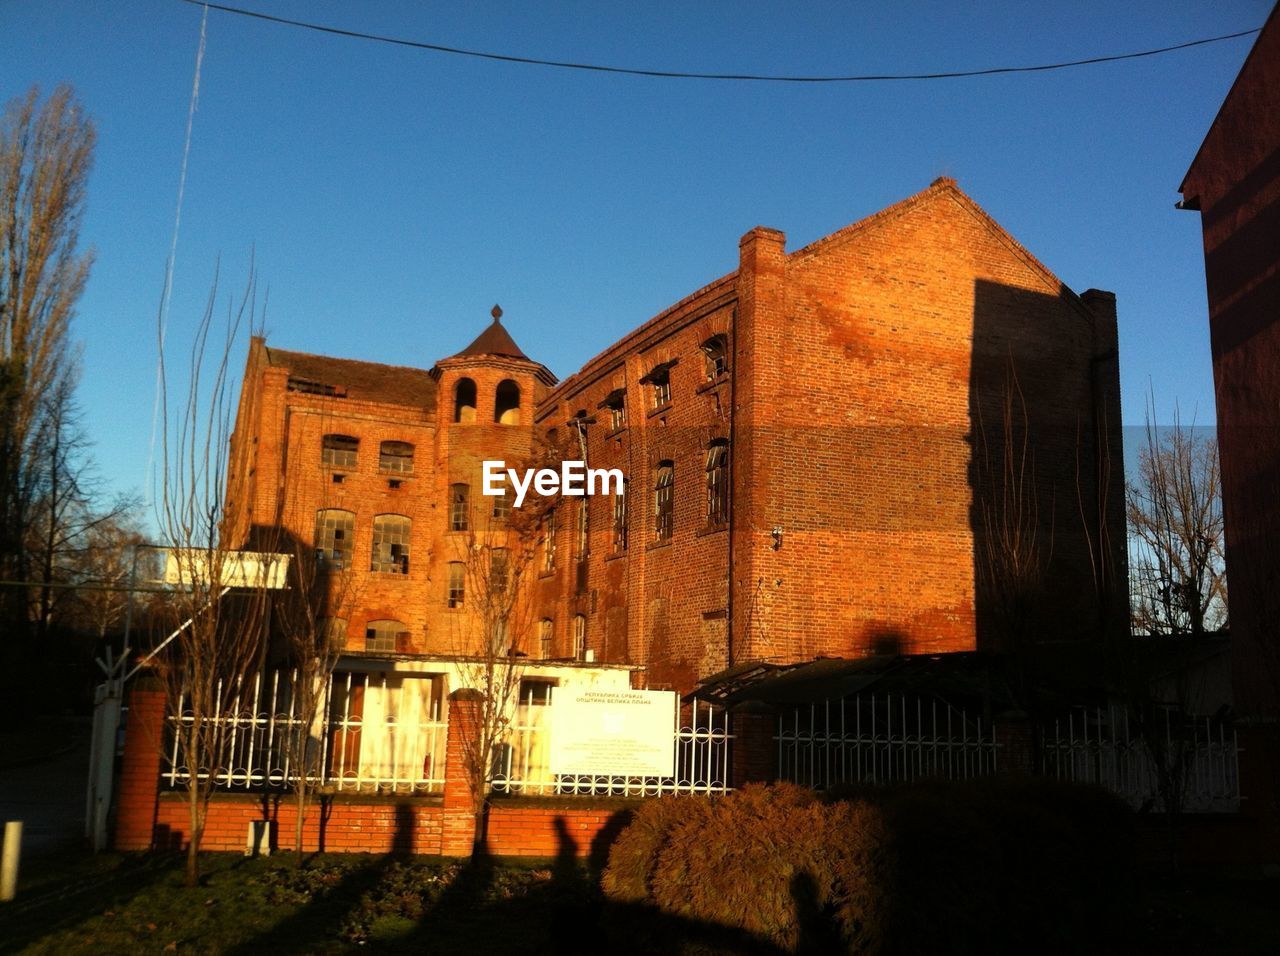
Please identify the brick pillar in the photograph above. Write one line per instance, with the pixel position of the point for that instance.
(1015, 754)
(458, 824)
(755, 752)
(139, 786)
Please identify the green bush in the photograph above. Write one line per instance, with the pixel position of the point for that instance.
(960, 867)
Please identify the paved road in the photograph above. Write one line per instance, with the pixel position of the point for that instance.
(48, 796)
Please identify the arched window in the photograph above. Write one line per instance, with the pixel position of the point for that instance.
(396, 456)
(339, 451)
(546, 638)
(664, 486)
(464, 401)
(459, 506)
(620, 519)
(716, 352)
(718, 482)
(506, 403)
(579, 637)
(457, 583)
(334, 532)
(391, 544)
(385, 636)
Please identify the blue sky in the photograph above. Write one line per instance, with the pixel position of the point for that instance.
(391, 196)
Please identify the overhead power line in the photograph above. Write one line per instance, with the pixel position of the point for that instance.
(679, 75)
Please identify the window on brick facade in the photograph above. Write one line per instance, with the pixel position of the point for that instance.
(506, 403)
(664, 500)
(383, 636)
(501, 509)
(546, 639)
(334, 533)
(499, 572)
(333, 631)
(660, 388)
(549, 542)
(339, 451)
(464, 401)
(616, 404)
(715, 351)
(457, 589)
(459, 507)
(579, 637)
(391, 544)
(620, 520)
(718, 482)
(396, 456)
(583, 542)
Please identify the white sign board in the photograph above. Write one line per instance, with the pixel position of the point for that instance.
(617, 733)
(238, 569)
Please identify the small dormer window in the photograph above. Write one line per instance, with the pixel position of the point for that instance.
(715, 351)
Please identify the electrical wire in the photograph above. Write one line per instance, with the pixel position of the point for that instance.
(680, 75)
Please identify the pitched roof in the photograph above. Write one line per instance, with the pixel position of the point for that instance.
(353, 379)
(494, 340)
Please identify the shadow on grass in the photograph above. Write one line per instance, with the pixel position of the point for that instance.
(62, 891)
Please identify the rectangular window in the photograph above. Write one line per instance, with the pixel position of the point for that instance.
(664, 501)
(501, 509)
(334, 530)
(549, 542)
(339, 451)
(546, 639)
(620, 520)
(661, 385)
(396, 457)
(457, 583)
(459, 507)
(390, 544)
(718, 483)
(499, 572)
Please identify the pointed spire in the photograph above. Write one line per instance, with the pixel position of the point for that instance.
(494, 340)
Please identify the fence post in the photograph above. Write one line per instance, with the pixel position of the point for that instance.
(466, 707)
(755, 751)
(139, 790)
(1015, 746)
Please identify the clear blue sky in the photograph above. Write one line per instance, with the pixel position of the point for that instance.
(392, 196)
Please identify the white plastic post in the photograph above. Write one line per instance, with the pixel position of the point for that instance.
(9, 860)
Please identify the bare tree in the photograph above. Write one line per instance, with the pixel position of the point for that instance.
(217, 629)
(1178, 577)
(46, 151)
(500, 556)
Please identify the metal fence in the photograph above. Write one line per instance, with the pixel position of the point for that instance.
(374, 733)
(882, 739)
(522, 763)
(1200, 758)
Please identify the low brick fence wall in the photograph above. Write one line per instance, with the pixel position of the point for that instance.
(443, 824)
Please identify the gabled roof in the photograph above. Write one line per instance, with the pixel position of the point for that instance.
(356, 380)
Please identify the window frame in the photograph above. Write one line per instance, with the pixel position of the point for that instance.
(456, 585)
(717, 483)
(459, 506)
(327, 556)
(334, 449)
(664, 493)
(396, 559)
(397, 464)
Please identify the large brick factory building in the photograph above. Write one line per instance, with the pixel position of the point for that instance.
(904, 437)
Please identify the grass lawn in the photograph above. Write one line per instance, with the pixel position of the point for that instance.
(116, 903)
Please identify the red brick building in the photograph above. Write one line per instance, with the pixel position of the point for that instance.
(902, 437)
(1234, 182)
